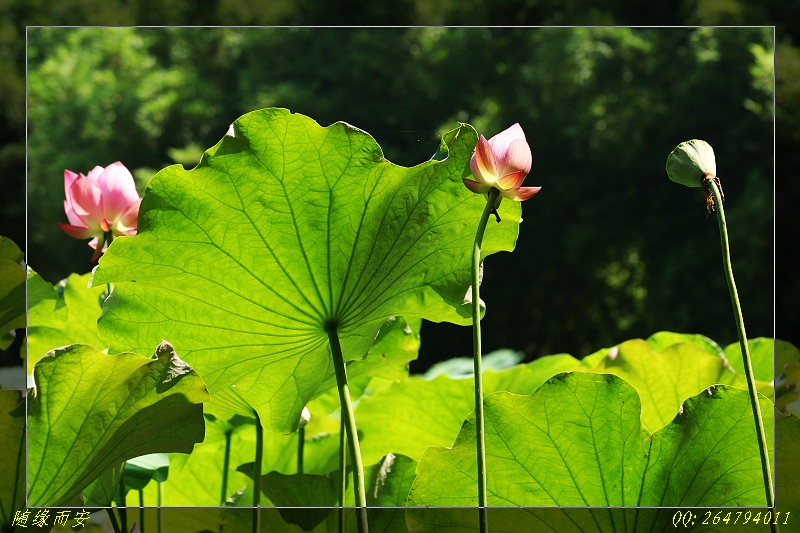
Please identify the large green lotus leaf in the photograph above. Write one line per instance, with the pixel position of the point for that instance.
(12, 460)
(50, 331)
(410, 416)
(91, 411)
(578, 441)
(284, 228)
(664, 379)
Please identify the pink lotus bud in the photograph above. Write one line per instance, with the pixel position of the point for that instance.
(101, 205)
(502, 163)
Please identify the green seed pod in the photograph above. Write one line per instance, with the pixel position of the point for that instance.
(690, 162)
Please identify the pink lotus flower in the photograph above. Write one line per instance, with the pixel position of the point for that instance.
(502, 163)
(102, 205)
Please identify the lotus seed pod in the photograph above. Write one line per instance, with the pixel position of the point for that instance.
(690, 162)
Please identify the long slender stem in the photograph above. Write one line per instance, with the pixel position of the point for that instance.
(141, 510)
(113, 518)
(748, 367)
(350, 424)
(476, 352)
(160, 503)
(226, 462)
(123, 505)
(301, 442)
(257, 476)
(342, 473)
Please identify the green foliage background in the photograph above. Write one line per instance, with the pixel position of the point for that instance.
(609, 250)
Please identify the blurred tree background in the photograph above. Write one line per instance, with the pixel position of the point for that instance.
(609, 250)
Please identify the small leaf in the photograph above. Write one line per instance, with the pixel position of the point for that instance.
(464, 366)
(90, 411)
(140, 470)
(690, 162)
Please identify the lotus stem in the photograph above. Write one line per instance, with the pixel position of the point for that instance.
(301, 442)
(476, 352)
(226, 462)
(141, 510)
(257, 476)
(160, 503)
(350, 424)
(113, 519)
(342, 473)
(123, 505)
(711, 184)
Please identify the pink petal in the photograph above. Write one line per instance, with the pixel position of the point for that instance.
(87, 200)
(95, 173)
(482, 164)
(128, 220)
(521, 194)
(77, 232)
(518, 157)
(475, 187)
(118, 188)
(69, 179)
(501, 142)
(73, 218)
(510, 181)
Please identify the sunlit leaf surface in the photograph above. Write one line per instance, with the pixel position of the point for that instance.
(91, 411)
(75, 322)
(284, 228)
(578, 441)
